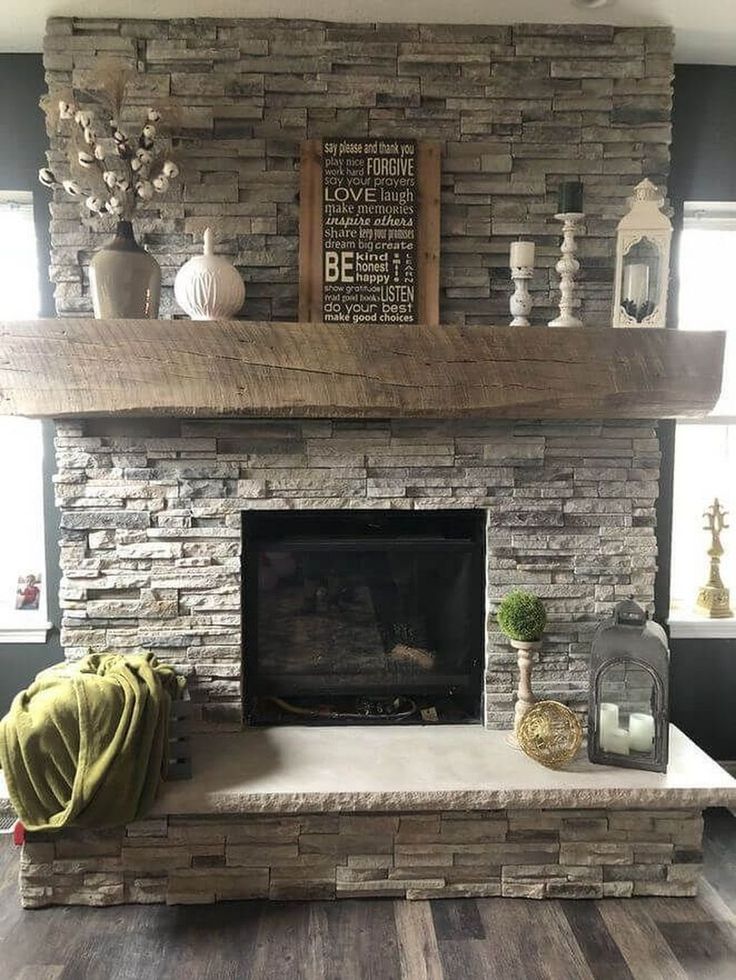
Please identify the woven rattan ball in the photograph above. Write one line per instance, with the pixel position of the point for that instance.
(550, 733)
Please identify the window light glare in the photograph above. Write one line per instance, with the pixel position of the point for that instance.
(21, 476)
(19, 293)
(705, 452)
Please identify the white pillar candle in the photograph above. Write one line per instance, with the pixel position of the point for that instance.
(607, 721)
(522, 255)
(641, 731)
(636, 283)
(617, 742)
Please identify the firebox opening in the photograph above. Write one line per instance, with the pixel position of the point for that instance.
(363, 616)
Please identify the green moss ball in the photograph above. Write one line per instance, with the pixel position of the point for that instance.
(522, 616)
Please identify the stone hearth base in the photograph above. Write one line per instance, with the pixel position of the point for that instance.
(580, 853)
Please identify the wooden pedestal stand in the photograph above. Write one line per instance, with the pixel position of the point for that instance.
(525, 697)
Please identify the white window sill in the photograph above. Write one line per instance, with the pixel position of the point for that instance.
(24, 632)
(700, 628)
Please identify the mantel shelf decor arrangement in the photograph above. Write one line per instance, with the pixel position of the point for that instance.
(112, 171)
(521, 261)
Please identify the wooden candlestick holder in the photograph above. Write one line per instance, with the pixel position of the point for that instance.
(525, 697)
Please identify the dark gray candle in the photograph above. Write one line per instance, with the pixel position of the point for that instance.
(570, 198)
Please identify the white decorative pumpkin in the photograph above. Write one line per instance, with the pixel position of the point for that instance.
(208, 287)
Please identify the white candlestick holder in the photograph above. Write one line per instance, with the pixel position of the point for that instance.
(521, 302)
(567, 268)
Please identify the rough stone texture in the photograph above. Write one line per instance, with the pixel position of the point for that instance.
(421, 768)
(512, 853)
(151, 516)
(518, 109)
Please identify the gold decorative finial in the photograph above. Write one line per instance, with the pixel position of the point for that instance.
(713, 598)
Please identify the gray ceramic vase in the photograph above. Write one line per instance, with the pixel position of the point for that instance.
(124, 279)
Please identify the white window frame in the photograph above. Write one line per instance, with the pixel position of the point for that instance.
(26, 626)
(686, 623)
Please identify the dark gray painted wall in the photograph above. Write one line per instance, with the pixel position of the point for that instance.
(22, 146)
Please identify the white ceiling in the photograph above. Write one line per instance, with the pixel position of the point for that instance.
(705, 30)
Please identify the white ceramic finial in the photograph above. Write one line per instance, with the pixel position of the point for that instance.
(208, 286)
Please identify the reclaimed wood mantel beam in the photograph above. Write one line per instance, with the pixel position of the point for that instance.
(75, 368)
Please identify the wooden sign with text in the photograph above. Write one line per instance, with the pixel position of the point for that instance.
(369, 231)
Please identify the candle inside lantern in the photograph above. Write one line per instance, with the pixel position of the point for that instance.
(522, 255)
(618, 741)
(607, 722)
(570, 197)
(641, 731)
(636, 284)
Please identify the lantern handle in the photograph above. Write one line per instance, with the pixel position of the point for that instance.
(629, 613)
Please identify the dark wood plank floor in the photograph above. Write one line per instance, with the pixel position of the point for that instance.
(513, 939)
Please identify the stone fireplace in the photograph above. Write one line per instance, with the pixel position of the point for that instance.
(172, 520)
(153, 514)
(164, 511)
(312, 514)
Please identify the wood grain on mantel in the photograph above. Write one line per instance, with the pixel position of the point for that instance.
(75, 368)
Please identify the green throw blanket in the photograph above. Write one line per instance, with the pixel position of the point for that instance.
(86, 744)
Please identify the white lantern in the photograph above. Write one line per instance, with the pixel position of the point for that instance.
(642, 261)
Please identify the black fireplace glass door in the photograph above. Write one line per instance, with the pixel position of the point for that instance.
(364, 613)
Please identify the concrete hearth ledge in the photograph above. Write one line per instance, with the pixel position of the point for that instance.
(293, 769)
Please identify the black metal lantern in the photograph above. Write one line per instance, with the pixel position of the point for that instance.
(628, 712)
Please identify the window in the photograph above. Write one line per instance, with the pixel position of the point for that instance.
(705, 451)
(23, 615)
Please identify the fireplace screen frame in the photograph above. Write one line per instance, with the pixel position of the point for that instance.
(465, 532)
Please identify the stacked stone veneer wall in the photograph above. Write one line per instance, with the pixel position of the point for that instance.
(518, 109)
(151, 529)
(515, 853)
